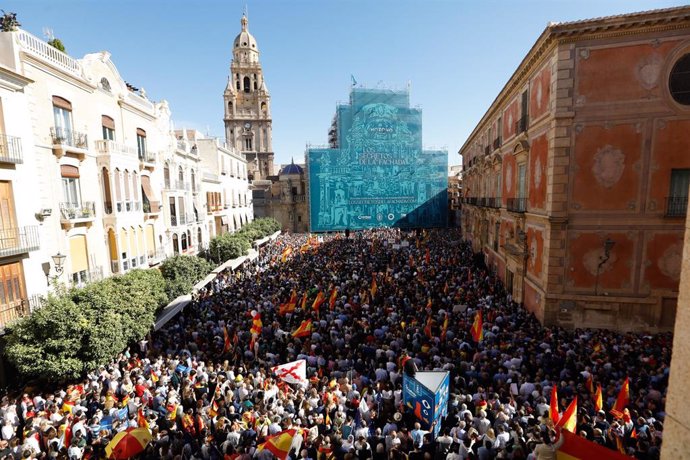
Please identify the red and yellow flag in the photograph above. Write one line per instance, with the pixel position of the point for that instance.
(598, 400)
(257, 324)
(576, 447)
(318, 301)
(590, 383)
(633, 435)
(569, 419)
(279, 444)
(226, 340)
(141, 419)
(374, 287)
(213, 411)
(623, 398)
(444, 329)
(303, 330)
(553, 405)
(332, 298)
(303, 305)
(477, 329)
(286, 253)
(427, 327)
(286, 308)
(154, 377)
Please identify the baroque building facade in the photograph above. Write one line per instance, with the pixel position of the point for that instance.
(247, 103)
(575, 180)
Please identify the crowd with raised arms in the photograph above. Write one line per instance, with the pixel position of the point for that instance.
(360, 311)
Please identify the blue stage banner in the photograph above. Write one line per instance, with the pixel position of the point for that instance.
(426, 396)
(378, 175)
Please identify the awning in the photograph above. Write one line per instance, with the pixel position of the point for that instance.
(146, 187)
(79, 260)
(69, 171)
(150, 239)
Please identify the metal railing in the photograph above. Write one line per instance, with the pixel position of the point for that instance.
(181, 185)
(517, 204)
(73, 211)
(300, 198)
(18, 309)
(156, 256)
(108, 207)
(147, 156)
(676, 206)
(173, 220)
(18, 240)
(521, 125)
(61, 136)
(10, 149)
(495, 202)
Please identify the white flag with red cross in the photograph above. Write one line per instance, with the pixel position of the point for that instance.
(294, 372)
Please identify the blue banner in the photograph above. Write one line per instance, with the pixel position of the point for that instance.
(426, 396)
(376, 174)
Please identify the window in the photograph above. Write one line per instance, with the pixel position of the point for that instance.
(166, 176)
(247, 85)
(108, 128)
(79, 278)
(105, 84)
(70, 191)
(679, 80)
(62, 114)
(141, 143)
(248, 144)
(521, 190)
(499, 186)
(678, 193)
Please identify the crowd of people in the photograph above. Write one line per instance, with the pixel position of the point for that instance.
(397, 302)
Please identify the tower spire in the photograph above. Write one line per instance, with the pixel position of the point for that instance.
(245, 18)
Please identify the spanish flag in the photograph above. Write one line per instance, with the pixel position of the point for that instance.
(213, 411)
(478, 327)
(598, 400)
(427, 327)
(575, 447)
(318, 301)
(124, 401)
(303, 330)
(623, 398)
(332, 298)
(303, 305)
(279, 444)
(553, 405)
(286, 308)
(286, 253)
(569, 419)
(374, 287)
(256, 324)
(444, 330)
(172, 412)
(226, 340)
(141, 419)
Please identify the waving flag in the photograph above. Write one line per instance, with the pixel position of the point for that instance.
(303, 330)
(286, 308)
(226, 340)
(576, 447)
(427, 327)
(444, 330)
(598, 400)
(318, 301)
(590, 383)
(553, 406)
(256, 324)
(286, 253)
(374, 287)
(303, 305)
(141, 419)
(332, 298)
(279, 444)
(294, 372)
(569, 419)
(622, 400)
(478, 327)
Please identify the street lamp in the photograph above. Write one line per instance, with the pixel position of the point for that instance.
(608, 245)
(59, 263)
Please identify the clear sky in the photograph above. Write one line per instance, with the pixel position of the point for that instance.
(457, 54)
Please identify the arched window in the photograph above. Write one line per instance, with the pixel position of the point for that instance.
(180, 174)
(679, 80)
(193, 176)
(176, 246)
(230, 107)
(237, 85)
(247, 84)
(107, 194)
(184, 241)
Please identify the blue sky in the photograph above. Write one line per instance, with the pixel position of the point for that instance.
(457, 54)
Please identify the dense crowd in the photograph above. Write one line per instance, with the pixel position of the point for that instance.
(203, 384)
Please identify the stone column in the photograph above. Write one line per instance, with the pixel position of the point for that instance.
(676, 445)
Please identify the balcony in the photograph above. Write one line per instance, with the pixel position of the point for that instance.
(498, 142)
(676, 206)
(487, 150)
(151, 207)
(181, 185)
(18, 309)
(156, 256)
(106, 147)
(495, 202)
(517, 204)
(521, 125)
(66, 141)
(300, 198)
(10, 149)
(72, 214)
(18, 240)
(147, 160)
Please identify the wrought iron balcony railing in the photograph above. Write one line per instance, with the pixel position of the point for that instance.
(517, 204)
(75, 211)
(676, 206)
(10, 149)
(61, 136)
(18, 240)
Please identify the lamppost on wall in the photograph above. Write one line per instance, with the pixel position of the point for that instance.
(608, 245)
(59, 263)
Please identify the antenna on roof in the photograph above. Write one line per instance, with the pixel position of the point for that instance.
(48, 33)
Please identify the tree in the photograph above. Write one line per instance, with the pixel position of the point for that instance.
(8, 22)
(57, 44)
(181, 273)
(228, 246)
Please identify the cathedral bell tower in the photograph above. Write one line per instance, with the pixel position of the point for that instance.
(248, 106)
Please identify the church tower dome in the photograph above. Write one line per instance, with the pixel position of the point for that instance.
(248, 123)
